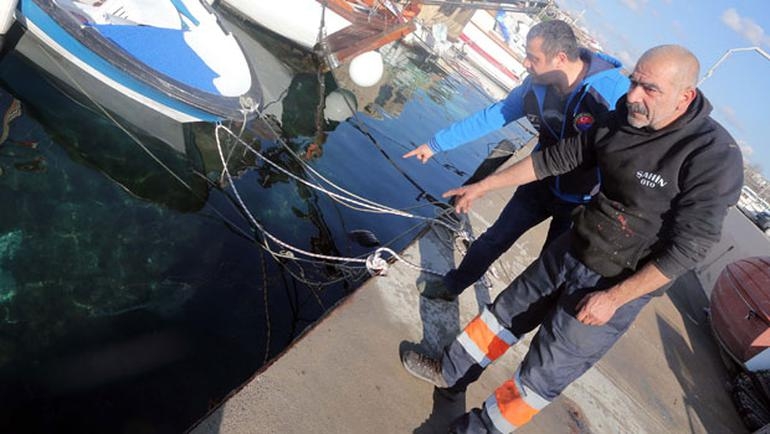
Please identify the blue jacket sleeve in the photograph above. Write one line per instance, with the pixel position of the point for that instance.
(482, 122)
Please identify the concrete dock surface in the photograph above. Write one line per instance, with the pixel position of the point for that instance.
(344, 375)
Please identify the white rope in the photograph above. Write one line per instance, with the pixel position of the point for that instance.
(240, 134)
(361, 204)
(375, 264)
(372, 206)
(256, 223)
(368, 205)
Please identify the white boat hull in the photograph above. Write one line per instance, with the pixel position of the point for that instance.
(297, 20)
(104, 94)
(205, 83)
(7, 8)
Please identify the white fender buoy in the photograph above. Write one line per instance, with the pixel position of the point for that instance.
(340, 105)
(366, 69)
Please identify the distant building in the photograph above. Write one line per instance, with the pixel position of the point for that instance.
(753, 178)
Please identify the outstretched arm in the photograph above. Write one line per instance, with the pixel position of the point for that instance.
(554, 160)
(522, 172)
(479, 124)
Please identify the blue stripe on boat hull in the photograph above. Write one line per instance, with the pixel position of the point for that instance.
(163, 50)
(32, 12)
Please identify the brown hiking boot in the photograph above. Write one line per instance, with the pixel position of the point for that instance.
(424, 368)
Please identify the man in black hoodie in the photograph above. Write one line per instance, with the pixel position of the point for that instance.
(669, 173)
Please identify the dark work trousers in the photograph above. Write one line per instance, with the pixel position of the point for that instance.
(545, 294)
(531, 204)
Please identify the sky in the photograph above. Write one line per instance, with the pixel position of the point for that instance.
(739, 88)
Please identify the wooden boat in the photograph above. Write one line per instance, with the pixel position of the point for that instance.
(352, 27)
(156, 64)
(740, 312)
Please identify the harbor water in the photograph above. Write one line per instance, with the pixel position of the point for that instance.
(136, 292)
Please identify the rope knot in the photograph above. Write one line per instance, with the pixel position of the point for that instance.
(464, 235)
(376, 265)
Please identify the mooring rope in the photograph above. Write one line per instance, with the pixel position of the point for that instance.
(347, 197)
(375, 263)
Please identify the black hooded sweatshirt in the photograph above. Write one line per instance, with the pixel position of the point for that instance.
(664, 194)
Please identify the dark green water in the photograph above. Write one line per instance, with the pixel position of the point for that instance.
(134, 301)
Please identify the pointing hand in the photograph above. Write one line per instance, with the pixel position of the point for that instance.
(464, 196)
(422, 152)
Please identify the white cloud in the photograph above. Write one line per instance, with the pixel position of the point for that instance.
(604, 30)
(745, 27)
(731, 117)
(755, 33)
(634, 5)
(746, 150)
(732, 19)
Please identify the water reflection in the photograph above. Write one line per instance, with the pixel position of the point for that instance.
(117, 149)
(134, 292)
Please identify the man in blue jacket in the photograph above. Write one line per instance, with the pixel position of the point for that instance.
(670, 173)
(567, 88)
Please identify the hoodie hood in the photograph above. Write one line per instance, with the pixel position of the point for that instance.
(603, 71)
(598, 62)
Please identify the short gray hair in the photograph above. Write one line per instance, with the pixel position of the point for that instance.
(557, 36)
(685, 66)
